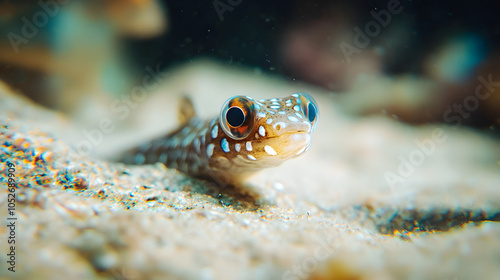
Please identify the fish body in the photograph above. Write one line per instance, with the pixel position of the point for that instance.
(247, 136)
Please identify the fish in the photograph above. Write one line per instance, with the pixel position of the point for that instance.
(247, 136)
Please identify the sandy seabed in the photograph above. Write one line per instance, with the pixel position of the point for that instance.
(329, 214)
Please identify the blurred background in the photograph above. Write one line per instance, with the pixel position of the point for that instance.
(415, 61)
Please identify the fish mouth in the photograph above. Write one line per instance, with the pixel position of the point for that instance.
(290, 145)
(276, 150)
(296, 143)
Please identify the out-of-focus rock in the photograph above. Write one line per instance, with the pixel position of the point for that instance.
(63, 54)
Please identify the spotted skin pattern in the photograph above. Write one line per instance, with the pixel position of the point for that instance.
(246, 137)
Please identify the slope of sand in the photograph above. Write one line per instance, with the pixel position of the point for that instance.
(329, 214)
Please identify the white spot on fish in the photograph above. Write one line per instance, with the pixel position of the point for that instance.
(172, 142)
(269, 121)
(262, 131)
(185, 130)
(224, 145)
(237, 147)
(279, 125)
(196, 144)
(270, 150)
(249, 146)
(282, 112)
(261, 115)
(296, 108)
(203, 132)
(212, 122)
(210, 150)
(188, 139)
(299, 115)
(163, 157)
(293, 119)
(242, 158)
(215, 131)
(275, 106)
(251, 157)
(273, 99)
(139, 158)
(295, 95)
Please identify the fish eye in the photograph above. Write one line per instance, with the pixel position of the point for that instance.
(237, 117)
(311, 112)
(310, 108)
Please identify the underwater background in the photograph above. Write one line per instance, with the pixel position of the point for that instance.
(401, 180)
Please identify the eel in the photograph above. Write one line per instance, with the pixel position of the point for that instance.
(247, 136)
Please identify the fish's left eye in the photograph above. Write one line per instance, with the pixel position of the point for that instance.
(237, 117)
(310, 109)
(312, 112)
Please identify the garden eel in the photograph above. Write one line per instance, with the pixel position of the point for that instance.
(247, 136)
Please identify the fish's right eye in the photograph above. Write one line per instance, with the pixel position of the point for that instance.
(237, 117)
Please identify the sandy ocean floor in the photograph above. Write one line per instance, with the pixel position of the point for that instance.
(329, 214)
